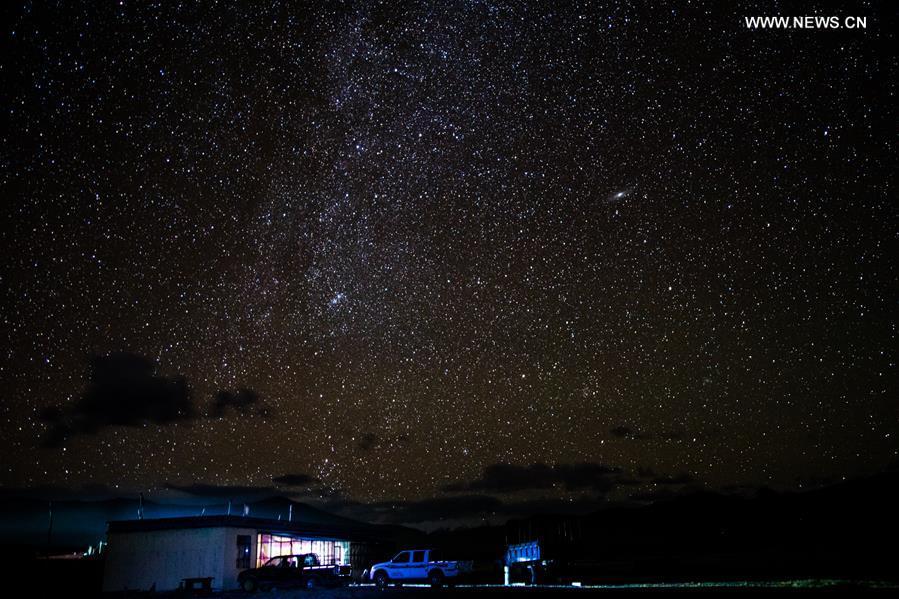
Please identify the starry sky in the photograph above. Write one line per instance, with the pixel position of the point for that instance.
(399, 252)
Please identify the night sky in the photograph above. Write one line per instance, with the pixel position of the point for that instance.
(436, 253)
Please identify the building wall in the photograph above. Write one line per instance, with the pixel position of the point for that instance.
(141, 559)
(138, 560)
(229, 566)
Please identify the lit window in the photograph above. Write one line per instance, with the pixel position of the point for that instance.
(328, 551)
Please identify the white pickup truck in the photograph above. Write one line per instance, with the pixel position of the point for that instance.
(417, 565)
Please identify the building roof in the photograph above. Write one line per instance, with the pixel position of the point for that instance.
(356, 531)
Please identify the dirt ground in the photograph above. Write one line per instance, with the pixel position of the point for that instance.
(364, 592)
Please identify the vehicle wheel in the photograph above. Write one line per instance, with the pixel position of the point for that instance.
(436, 579)
(381, 579)
(312, 582)
(249, 585)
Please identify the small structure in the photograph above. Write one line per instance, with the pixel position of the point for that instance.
(523, 563)
(162, 553)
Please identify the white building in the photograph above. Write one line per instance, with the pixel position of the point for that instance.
(160, 553)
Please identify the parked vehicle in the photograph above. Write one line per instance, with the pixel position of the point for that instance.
(525, 563)
(537, 562)
(417, 566)
(293, 570)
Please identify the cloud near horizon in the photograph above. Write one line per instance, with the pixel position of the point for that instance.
(295, 480)
(510, 478)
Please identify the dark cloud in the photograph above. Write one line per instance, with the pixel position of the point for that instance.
(648, 475)
(597, 480)
(295, 480)
(223, 491)
(440, 508)
(682, 485)
(245, 402)
(680, 479)
(551, 505)
(629, 481)
(367, 442)
(661, 487)
(622, 431)
(743, 490)
(461, 509)
(813, 481)
(626, 432)
(124, 390)
(661, 494)
(297, 486)
(508, 478)
(464, 507)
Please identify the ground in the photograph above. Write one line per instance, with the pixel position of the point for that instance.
(407, 592)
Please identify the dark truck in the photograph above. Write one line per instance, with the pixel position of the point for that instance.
(293, 571)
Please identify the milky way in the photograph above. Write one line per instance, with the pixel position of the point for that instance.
(389, 246)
